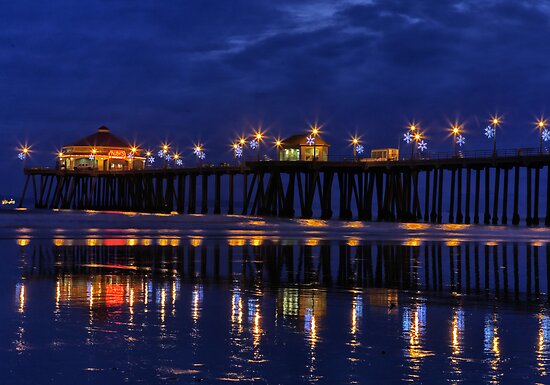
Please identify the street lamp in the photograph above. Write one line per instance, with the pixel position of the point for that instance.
(412, 136)
(23, 155)
(278, 145)
(314, 132)
(491, 132)
(541, 124)
(456, 130)
(258, 137)
(133, 152)
(164, 152)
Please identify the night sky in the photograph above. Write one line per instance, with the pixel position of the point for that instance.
(210, 70)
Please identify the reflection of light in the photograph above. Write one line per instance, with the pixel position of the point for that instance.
(356, 313)
(132, 242)
(23, 241)
(90, 294)
(312, 242)
(196, 302)
(256, 241)
(453, 242)
(457, 330)
(412, 242)
(58, 242)
(313, 222)
(353, 242)
(195, 241)
(492, 345)
(162, 242)
(543, 348)
(20, 292)
(236, 242)
(237, 308)
(290, 301)
(414, 327)
(146, 242)
(57, 294)
(174, 242)
(162, 304)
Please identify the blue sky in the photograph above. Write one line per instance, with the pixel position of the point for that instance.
(209, 70)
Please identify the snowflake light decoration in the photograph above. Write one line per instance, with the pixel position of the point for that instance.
(489, 132)
(546, 135)
(130, 155)
(310, 140)
(179, 162)
(239, 152)
(407, 137)
(21, 156)
(422, 145)
(359, 149)
(168, 157)
(460, 140)
(91, 157)
(253, 144)
(160, 154)
(151, 159)
(202, 155)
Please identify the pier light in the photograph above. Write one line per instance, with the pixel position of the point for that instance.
(357, 146)
(133, 150)
(315, 130)
(259, 136)
(60, 154)
(491, 130)
(544, 134)
(412, 136)
(94, 151)
(456, 131)
(279, 146)
(148, 153)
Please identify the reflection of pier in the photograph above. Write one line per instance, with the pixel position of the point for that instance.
(411, 190)
(506, 270)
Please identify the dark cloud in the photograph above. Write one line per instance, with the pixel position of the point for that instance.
(156, 70)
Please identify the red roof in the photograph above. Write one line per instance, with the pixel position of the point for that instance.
(102, 138)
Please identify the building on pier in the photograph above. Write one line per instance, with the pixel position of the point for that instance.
(101, 151)
(297, 147)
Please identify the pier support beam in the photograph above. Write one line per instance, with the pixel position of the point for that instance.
(504, 218)
(515, 215)
(495, 198)
(487, 215)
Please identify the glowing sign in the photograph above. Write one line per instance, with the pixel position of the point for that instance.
(117, 154)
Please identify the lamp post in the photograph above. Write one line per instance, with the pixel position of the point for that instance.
(410, 137)
(165, 149)
(314, 132)
(278, 145)
(541, 124)
(456, 130)
(258, 136)
(355, 143)
(495, 122)
(149, 157)
(417, 137)
(133, 152)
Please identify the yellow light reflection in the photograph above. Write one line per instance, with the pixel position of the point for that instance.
(196, 241)
(23, 242)
(234, 242)
(492, 347)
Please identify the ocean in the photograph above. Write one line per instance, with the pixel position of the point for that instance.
(110, 298)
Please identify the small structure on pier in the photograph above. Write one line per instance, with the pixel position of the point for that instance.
(101, 151)
(298, 147)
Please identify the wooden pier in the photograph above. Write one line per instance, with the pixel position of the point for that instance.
(488, 189)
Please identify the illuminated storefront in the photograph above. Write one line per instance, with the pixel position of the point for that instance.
(101, 151)
(302, 147)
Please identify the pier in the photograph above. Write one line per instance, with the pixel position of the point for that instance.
(505, 187)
